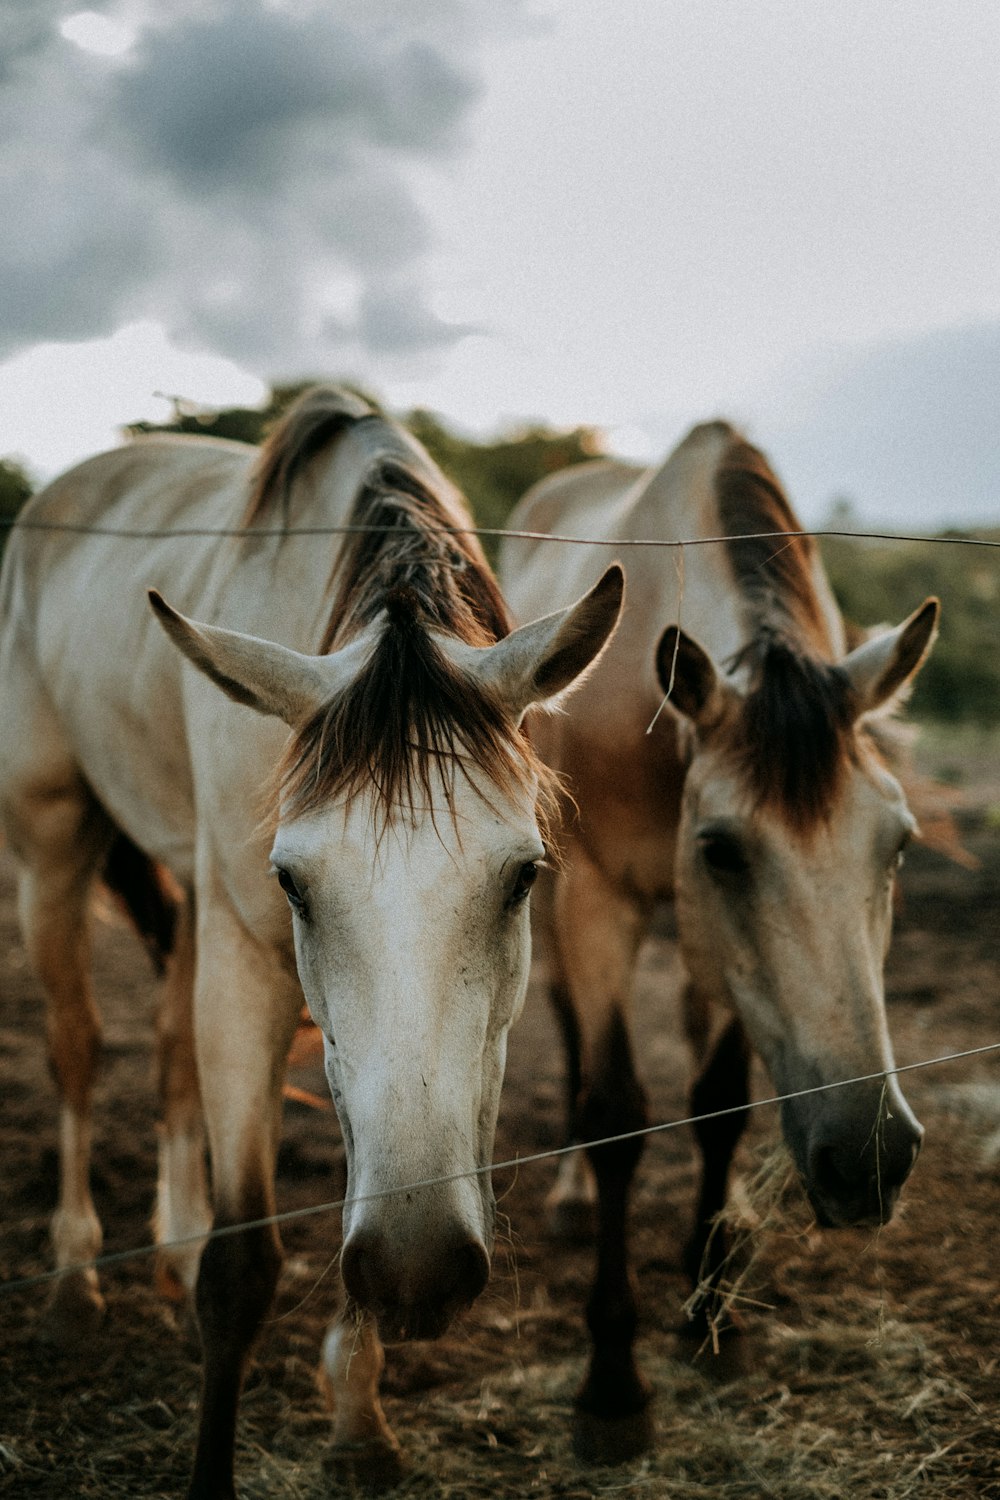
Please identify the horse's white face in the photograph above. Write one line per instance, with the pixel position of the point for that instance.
(413, 947)
(412, 942)
(790, 925)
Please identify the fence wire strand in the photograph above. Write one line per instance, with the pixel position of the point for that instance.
(254, 533)
(116, 1257)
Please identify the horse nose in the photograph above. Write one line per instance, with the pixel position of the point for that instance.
(851, 1186)
(413, 1296)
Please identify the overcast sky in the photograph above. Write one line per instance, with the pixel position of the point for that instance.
(634, 214)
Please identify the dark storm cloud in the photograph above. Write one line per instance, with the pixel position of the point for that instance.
(242, 174)
(233, 100)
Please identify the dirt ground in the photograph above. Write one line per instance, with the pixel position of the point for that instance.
(871, 1364)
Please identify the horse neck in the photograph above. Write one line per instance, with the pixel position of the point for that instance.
(693, 586)
(718, 601)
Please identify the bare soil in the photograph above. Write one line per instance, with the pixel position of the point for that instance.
(871, 1364)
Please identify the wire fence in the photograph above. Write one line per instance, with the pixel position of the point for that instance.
(23, 1283)
(157, 533)
(116, 1257)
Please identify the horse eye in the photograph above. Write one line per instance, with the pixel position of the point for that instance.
(526, 877)
(723, 853)
(296, 900)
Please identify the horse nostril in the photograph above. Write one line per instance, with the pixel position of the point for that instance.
(365, 1272)
(472, 1271)
(827, 1176)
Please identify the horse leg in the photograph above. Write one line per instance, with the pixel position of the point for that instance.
(60, 846)
(724, 1082)
(599, 935)
(245, 1014)
(571, 1205)
(182, 1206)
(365, 1452)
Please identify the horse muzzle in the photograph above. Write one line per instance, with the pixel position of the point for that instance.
(414, 1295)
(853, 1164)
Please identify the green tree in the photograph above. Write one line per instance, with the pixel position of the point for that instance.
(15, 488)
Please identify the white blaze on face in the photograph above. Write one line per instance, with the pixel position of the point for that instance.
(412, 943)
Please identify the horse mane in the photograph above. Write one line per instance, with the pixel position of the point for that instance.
(410, 565)
(794, 735)
(774, 574)
(311, 424)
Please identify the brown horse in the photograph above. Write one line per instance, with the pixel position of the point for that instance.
(760, 804)
(356, 815)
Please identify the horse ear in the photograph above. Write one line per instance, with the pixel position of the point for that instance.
(263, 675)
(688, 676)
(881, 669)
(538, 662)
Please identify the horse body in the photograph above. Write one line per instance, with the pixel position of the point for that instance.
(399, 817)
(759, 803)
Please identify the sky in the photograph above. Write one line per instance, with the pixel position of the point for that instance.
(634, 216)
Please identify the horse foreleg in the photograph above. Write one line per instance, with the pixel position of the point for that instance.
(182, 1206)
(364, 1451)
(245, 1015)
(599, 932)
(571, 1205)
(723, 1084)
(61, 848)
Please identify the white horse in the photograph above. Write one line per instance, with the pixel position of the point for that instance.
(761, 804)
(400, 821)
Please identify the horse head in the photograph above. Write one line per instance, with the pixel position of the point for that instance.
(408, 834)
(792, 828)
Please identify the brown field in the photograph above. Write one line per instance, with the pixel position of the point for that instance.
(871, 1364)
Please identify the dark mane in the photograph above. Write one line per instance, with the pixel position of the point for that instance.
(775, 575)
(411, 720)
(793, 736)
(310, 424)
(412, 546)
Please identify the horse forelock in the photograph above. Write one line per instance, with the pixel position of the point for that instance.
(405, 728)
(411, 721)
(792, 736)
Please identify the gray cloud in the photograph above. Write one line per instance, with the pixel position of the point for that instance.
(242, 175)
(236, 99)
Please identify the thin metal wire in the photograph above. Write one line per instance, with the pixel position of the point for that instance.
(21, 1283)
(156, 533)
(152, 533)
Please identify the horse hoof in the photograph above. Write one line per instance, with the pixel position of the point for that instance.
(572, 1220)
(372, 1467)
(75, 1312)
(612, 1440)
